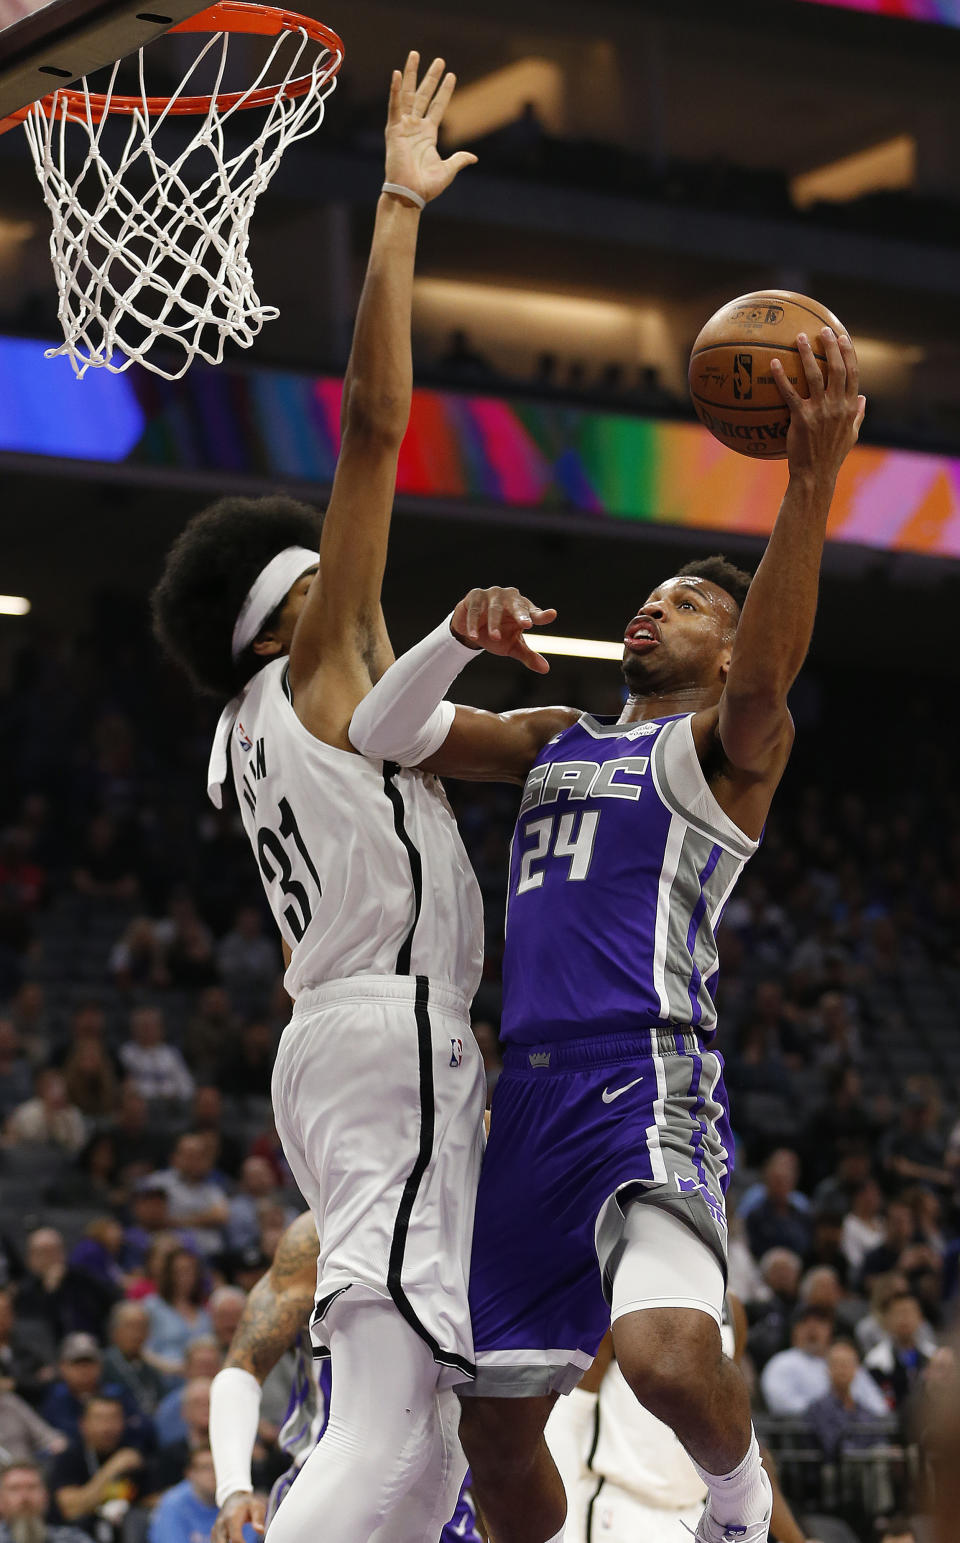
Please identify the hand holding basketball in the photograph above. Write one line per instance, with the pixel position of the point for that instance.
(824, 425)
(495, 619)
(413, 124)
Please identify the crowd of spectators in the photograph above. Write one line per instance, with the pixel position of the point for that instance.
(143, 1189)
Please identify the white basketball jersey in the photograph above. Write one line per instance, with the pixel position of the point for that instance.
(637, 1452)
(361, 861)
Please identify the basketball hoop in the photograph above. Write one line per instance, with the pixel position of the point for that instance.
(152, 248)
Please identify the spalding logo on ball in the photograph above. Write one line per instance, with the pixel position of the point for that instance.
(732, 385)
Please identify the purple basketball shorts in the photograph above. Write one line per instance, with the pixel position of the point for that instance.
(578, 1131)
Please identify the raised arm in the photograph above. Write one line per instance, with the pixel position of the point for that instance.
(340, 644)
(778, 614)
(276, 1310)
(406, 717)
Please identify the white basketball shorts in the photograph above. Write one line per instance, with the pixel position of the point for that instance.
(378, 1093)
(604, 1513)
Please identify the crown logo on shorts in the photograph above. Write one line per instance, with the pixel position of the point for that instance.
(539, 1058)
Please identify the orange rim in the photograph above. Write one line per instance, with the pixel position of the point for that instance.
(227, 16)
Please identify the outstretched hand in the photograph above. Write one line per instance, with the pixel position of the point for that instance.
(824, 426)
(496, 619)
(413, 124)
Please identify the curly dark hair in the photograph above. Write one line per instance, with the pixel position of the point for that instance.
(207, 576)
(717, 570)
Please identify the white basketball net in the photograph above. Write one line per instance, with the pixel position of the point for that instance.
(149, 251)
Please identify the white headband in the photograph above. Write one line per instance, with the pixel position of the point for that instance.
(266, 593)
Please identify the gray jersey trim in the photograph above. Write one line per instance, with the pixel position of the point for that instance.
(682, 957)
(600, 730)
(533, 1374)
(682, 787)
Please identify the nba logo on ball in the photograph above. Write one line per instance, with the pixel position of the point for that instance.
(456, 1052)
(743, 377)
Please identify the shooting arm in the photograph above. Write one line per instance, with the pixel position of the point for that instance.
(778, 614)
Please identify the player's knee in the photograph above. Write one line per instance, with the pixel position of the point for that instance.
(667, 1365)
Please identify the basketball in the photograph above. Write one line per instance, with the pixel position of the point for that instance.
(731, 383)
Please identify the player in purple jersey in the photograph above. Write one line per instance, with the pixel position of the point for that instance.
(630, 838)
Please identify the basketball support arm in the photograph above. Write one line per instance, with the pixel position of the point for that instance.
(776, 623)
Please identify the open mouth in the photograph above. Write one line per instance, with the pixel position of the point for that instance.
(642, 636)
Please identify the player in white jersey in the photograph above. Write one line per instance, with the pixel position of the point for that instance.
(378, 1087)
(275, 1320)
(626, 1475)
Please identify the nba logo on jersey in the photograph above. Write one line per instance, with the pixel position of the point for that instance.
(456, 1052)
(246, 743)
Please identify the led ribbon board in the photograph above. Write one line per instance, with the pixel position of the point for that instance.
(479, 452)
(944, 11)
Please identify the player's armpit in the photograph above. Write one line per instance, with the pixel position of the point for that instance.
(743, 791)
(497, 747)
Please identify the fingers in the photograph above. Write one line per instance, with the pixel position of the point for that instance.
(394, 109)
(499, 615)
(456, 162)
(836, 365)
(441, 101)
(849, 356)
(426, 89)
(811, 366)
(507, 611)
(476, 609)
(858, 421)
(236, 1522)
(528, 656)
(408, 84)
(496, 606)
(259, 1515)
(789, 392)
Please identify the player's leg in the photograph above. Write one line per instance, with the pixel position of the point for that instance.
(423, 1513)
(380, 1436)
(668, 1292)
(536, 1299)
(515, 1480)
(388, 1164)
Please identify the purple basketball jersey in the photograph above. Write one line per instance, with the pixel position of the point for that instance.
(621, 865)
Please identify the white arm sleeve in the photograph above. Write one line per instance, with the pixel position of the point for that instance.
(404, 718)
(234, 1420)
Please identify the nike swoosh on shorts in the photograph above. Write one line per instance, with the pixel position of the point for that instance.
(609, 1097)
